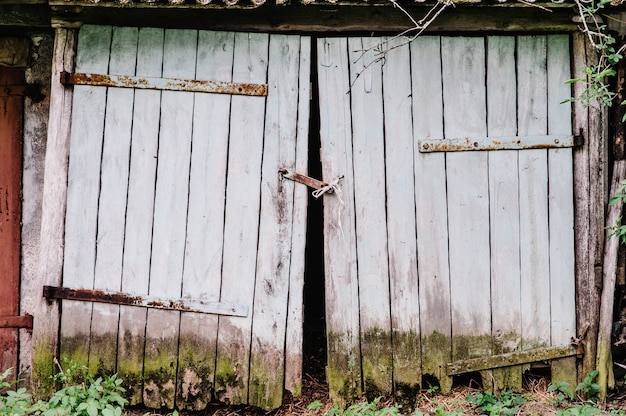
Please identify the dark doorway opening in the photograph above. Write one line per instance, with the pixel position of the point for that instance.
(314, 348)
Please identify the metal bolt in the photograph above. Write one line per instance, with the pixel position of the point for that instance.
(556, 141)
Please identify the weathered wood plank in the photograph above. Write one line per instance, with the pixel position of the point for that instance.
(46, 327)
(401, 223)
(271, 292)
(94, 43)
(295, 313)
(170, 218)
(241, 219)
(504, 226)
(465, 113)
(561, 208)
(112, 203)
(431, 212)
(533, 173)
(589, 181)
(139, 213)
(342, 318)
(368, 158)
(205, 222)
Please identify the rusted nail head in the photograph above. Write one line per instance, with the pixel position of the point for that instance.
(425, 145)
(475, 144)
(556, 141)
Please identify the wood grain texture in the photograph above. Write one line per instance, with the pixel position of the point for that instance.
(561, 208)
(54, 198)
(112, 202)
(295, 312)
(271, 293)
(431, 213)
(139, 213)
(368, 158)
(533, 172)
(401, 222)
(465, 113)
(341, 292)
(170, 218)
(241, 225)
(504, 209)
(205, 221)
(94, 43)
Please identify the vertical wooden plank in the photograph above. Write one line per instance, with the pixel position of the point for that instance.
(504, 209)
(533, 173)
(54, 198)
(139, 213)
(112, 202)
(94, 43)
(589, 181)
(170, 218)
(341, 292)
(267, 361)
(295, 313)
(430, 212)
(465, 114)
(399, 167)
(241, 219)
(561, 208)
(205, 222)
(11, 109)
(368, 158)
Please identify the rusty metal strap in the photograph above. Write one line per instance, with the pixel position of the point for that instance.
(24, 321)
(509, 359)
(499, 143)
(168, 84)
(303, 179)
(119, 298)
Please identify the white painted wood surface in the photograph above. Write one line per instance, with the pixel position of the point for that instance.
(368, 153)
(83, 191)
(139, 212)
(205, 222)
(533, 173)
(112, 201)
(242, 218)
(504, 208)
(430, 212)
(465, 113)
(400, 218)
(167, 232)
(341, 291)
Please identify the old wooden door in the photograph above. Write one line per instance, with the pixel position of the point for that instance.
(437, 257)
(11, 108)
(178, 194)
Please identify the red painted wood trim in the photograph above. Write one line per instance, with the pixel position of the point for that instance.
(11, 110)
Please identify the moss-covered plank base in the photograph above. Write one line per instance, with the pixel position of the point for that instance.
(407, 368)
(343, 371)
(377, 363)
(160, 372)
(196, 370)
(436, 354)
(266, 379)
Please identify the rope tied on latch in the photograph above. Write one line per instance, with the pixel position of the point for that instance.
(332, 187)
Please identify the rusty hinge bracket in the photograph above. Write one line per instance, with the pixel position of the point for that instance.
(22, 321)
(32, 91)
(119, 298)
(509, 359)
(168, 84)
(462, 144)
(303, 179)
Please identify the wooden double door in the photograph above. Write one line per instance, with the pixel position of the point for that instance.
(430, 257)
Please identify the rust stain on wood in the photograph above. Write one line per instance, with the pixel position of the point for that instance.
(167, 84)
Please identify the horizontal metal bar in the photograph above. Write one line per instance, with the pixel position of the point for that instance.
(499, 143)
(303, 179)
(23, 321)
(509, 359)
(169, 84)
(119, 298)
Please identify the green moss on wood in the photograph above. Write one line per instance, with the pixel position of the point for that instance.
(75, 349)
(377, 362)
(343, 370)
(436, 354)
(196, 371)
(130, 366)
(228, 383)
(43, 370)
(407, 373)
(266, 380)
(160, 372)
(103, 354)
